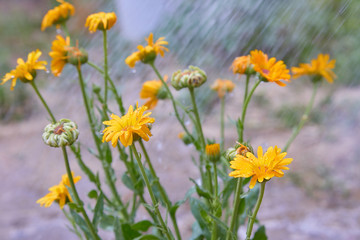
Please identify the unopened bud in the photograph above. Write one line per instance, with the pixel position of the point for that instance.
(77, 56)
(192, 78)
(61, 133)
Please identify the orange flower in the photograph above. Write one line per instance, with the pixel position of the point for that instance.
(241, 64)
(270, 69)
(154, 90)
(57, 15)
(100, 21)
(223, 86)
(318, 67)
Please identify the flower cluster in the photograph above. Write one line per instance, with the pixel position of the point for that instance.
(124, 128)
(59, 193)
(25, 71)
(148, 53)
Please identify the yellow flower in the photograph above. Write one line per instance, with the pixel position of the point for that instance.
(25, 71)
(60, 48)
(264, 166)
(241, 64)
(154, 90)
(320, 67)
(270, 69)
(59, 193)
(100, 21)
(57, 15)
(148, 53)
(223, 86)
(212, 149)
(123, 128)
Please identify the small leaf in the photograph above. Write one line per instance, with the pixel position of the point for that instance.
(107, 222)
(81, 223)
(98, 210)
(142, 226)
(128, 232)
(93, 194)
(201, 192)
(260, 234)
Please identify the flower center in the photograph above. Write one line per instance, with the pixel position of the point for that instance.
(265, 71)
(59, 130)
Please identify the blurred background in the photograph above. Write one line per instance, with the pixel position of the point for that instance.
(317, 199)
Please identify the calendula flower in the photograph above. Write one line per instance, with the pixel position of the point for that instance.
(100, 21)
(154, 90)
(148, 53)
(241, 65)
(322, 66)
(260, 168)
(25, 71)
(57, 15)
(213, 152)
(60, 48)
(59, 193)
(222, 86)
(124, 128)
(270, 69)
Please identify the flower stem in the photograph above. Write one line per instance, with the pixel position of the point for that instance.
(78, 202)
(106, 74)
(234, 215)
(214, 226)
(65, 29)
(161, 189)
(243, 114)
(43, 101)
(152, 195)
(256, 209)
(304, 117)
(197, 117)
(172, 100)
(71, 220)
(222, 124)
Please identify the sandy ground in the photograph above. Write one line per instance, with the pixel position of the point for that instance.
(317, 199)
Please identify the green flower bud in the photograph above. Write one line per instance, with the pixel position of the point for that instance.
(162, 93)
(77, 56)
(61, 133)
(192, 78)
(230, 154)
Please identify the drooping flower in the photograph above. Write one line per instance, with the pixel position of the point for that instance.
(322, 66)
(148, 53)
(60, 48)
(57, 15)
(213, 152)
(154, 90)
(241, 65)
(260, 168)
(270, 69)
(124, 128)
(222, 86)
(59, 193)
(25, 71)
(100, 21)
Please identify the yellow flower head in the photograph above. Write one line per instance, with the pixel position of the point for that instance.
(57, 15)
(25, 71)
(318, 67)
(270, 69)
(100, 21)
(264, 166)
(154, 91)
(212, 149)
(58, 193)
(241, 65)
(223, 86)
(60, 48)
(148, 53)
(124, 128)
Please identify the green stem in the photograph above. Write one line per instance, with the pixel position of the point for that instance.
(43, 101)
(152, 195)
(256, 209)
(197, 117)
(106, 74)
(214, 226)
(304, 117)
(222, 123)
(243, 114)
(161, 189)
(234, 215)
(78, 202)
(172, 100)
(246, 86)
(65, 29)
(97, 68)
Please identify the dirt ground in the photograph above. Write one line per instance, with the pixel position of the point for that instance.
(317, 199)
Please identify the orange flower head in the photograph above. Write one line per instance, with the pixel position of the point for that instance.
(269, 69)
(322, 66)
(59, 54)
(222, 86)
(154, 90)
(100, 21)
(57, 15)
(241, 65)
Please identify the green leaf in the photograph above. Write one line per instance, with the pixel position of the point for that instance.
(107, 222)
(128, 232)
(82, 165)
(74, 206)
(201, 192)
(148, 237)
(117, 229)
(260, 234)
(81, 223)
(199, 211)
(142, 226)
(197, 233)
(108, 156)
(177, 204)
(222, 226)
(98, 210)
(93, 194)
(229, 188)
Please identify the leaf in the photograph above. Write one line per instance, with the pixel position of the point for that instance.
(98, 210)
(197, 233)
(128, 232)
(142, 226)
(82, 165)
(229, 188)
(81, 223)
(223, 227)
(127, 182)
(117, 229)
(107, 222)
(148, 237)
(199, 211)
(108, 156)
(260, 234)
(177, 204)
(201, 192)
(93, 194)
